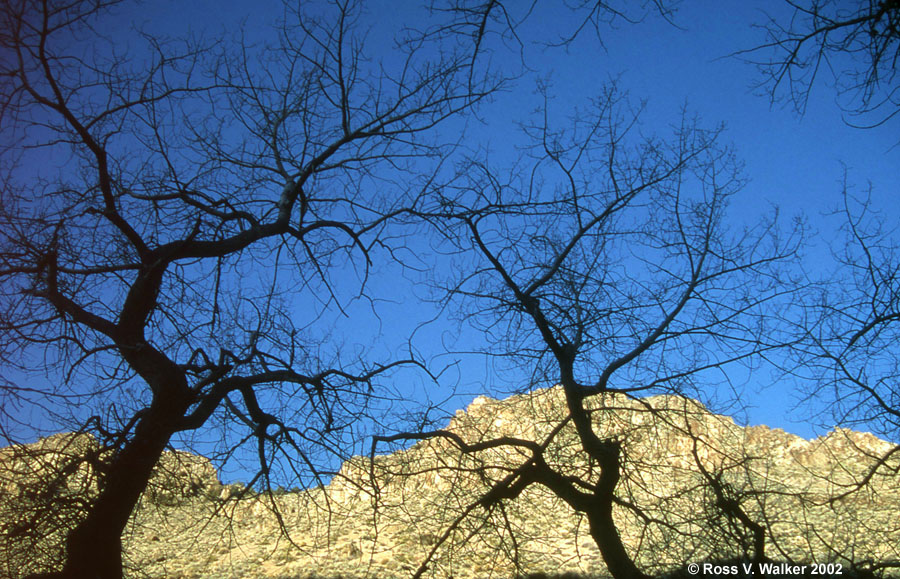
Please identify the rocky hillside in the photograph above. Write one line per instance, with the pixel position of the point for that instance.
(419, 508)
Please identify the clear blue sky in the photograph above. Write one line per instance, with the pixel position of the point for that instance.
(793, 162)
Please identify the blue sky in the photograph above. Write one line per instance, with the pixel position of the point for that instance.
(794, 162)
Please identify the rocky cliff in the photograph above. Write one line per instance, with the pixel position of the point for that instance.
(420, 509)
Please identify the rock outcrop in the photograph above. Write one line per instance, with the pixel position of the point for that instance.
(419, 508)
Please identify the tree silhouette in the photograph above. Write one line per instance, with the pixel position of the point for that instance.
(856, 42)
(604, 263)
(178, 221)
(849, 332)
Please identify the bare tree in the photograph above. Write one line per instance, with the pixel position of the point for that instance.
(479, 19)
(604, 262)
(859, 322)
(858, 43)
(851, 316)
(851, 328)
(178, 223)
(854, 317)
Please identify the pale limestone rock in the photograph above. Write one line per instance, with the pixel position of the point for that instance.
(194, 527)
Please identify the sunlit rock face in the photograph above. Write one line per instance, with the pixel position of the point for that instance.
(419, 507)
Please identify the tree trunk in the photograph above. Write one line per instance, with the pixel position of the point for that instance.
(606, 536)
(603, 526)
(599, 509)
(94, 547)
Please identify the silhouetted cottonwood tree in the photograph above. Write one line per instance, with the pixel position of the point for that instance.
(177, 219)
(605, 262)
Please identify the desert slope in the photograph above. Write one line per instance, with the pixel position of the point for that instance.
(386, 518)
